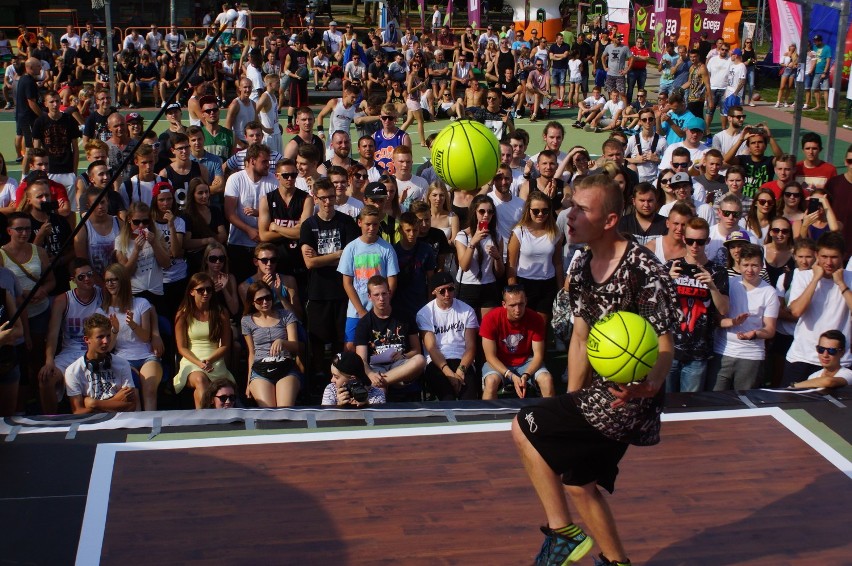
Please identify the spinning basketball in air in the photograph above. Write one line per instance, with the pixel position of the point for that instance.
(466, 155)
(622, 347)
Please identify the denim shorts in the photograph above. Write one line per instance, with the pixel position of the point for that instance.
(137, 364)
(519, 370)
(819, 83)
(558, 76)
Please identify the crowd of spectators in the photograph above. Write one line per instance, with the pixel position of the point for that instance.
(229, 261)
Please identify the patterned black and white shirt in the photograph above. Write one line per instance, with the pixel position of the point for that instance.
(640, 284)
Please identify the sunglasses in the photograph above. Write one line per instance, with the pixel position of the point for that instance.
(848, 161)
(490, 98)
(87, 275)
(765, 201)
(730, 213)
(204, 290)
(360, 176)
(267, 260)
(446, 290)
(140, 221)
(226, 398)
(216, 258)
(288, 175)
(740, 116)
(539, 211)
(695, 241)
(831, 351)
(388, 118)
(263, 299)
(792, 195)
(683, 164)
(646, 120)
(210, 110)
(666, 181)
(22, 229)
(484, 211)
(785, 231)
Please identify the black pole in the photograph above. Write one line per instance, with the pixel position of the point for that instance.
(52, 265)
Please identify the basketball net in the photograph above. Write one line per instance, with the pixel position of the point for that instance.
(98, 4)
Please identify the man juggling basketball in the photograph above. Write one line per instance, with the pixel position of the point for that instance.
(578, 439)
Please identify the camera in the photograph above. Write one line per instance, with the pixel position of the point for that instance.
(358, 391)
(49, 206)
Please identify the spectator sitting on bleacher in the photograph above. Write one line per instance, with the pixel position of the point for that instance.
(448, 328)
(98, 381)
(830, 349)
(389, 345)
(513, 340)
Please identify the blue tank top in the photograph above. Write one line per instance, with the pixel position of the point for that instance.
(384, 150)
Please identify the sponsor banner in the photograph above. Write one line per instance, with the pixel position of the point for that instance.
(448, 18)
(702, 22)
(421, 8)
(786, 20)
(658, 26)
(474, 14)
(731, 28)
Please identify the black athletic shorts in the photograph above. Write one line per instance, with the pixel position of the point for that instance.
(569, 444)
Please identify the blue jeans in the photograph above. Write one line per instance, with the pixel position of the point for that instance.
(749, 84)
(686, 377)
(635, 77)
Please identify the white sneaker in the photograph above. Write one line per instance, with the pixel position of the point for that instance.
(804, 106)
(777, 105)
(751, 104)
(163, 104)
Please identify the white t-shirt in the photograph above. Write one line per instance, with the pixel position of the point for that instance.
(612, 108)
(761, 302)
(536, 254)
(137, 43)
(148, 275)
(102, 385)
(574, 66)
(591, 101)
(73, 40)
(127, 344)
(411, 190)
(843, 373)
(736, 74)
(154, 39)
(724, 141)
(718, 69)
(448, 326)
(508, 214)
(827, 311)
(248, 193)
(647, 171)
(352, 207)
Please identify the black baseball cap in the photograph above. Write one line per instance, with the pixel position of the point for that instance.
(439, 279)
(351, 363)
(376, 190)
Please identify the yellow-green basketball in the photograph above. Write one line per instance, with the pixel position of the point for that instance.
(622, 347)
(466, 155)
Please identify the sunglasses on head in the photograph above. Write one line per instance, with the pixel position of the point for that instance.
(824, 349)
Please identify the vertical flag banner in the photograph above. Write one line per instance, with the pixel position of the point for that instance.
(421, 7)
(449, 17)
(658, 43)
(473, 13)
(527, 8)
(641, 19)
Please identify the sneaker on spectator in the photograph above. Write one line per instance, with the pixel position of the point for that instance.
(291, 129)
(8, 106)
(559, 550)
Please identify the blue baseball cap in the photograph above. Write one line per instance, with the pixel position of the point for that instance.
(695, 123)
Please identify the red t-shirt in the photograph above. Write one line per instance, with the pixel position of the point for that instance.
(637, 64)
(814, 177)
(514, 340)
(774, 187)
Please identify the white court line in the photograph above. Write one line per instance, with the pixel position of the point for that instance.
(94, 519)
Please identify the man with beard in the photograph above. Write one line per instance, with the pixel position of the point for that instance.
(644, 223)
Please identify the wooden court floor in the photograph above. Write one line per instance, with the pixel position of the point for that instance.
(714, 492)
